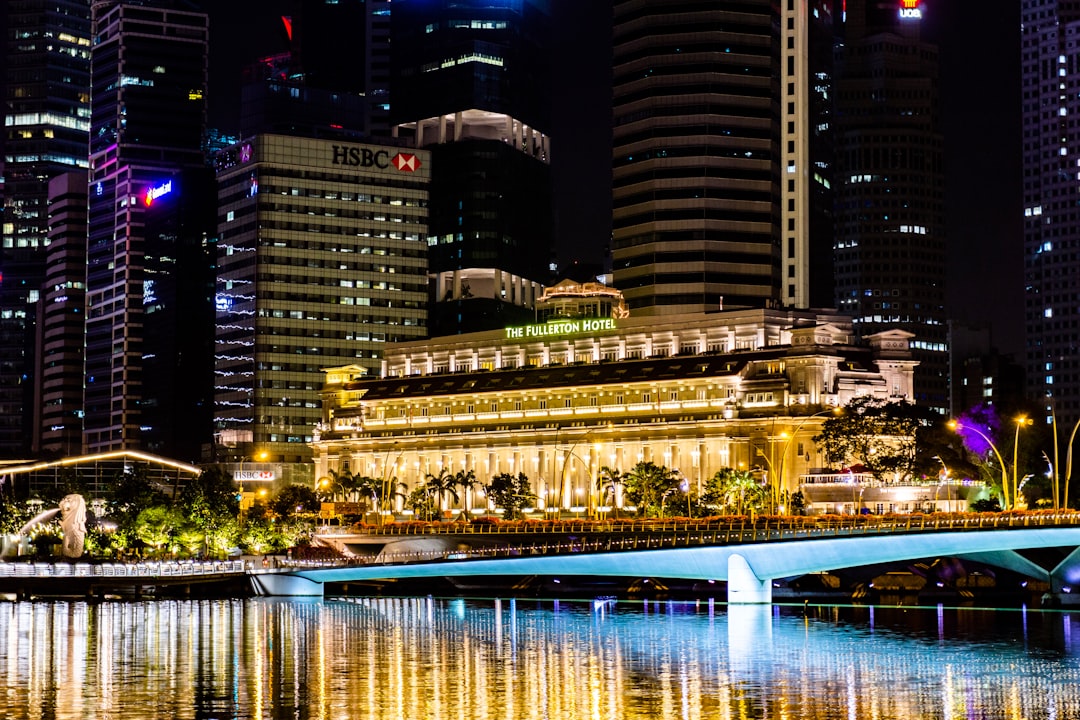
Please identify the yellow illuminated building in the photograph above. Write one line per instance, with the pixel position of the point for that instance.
(561, 399)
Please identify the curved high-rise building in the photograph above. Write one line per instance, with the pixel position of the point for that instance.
(697, 155)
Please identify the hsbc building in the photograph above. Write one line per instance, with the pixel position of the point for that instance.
(321, 261)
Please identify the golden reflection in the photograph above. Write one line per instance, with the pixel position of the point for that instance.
(404, 658)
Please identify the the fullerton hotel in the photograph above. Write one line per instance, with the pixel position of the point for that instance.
(588, 387)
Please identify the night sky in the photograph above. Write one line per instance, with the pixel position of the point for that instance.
(980, 91)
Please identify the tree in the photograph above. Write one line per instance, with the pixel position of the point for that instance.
(155, 526)
(510, 494)
(877, 434)
(441, 487)
(608, 482)
(422, 502)
(294, 500)
(367, 488)
(735, 492)
(211, 492)
(133, 493)
(647, 484)
(390, 489)
(466, 480)
(797, 505)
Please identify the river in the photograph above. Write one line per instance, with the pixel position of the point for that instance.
(458, 659)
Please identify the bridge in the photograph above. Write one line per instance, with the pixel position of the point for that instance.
(749, 555)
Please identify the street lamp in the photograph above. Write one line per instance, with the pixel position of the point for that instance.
(777, 492)
(1068, 465)
(956, 426)
(1022, 421)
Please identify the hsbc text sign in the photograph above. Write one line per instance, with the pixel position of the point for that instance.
(254, 475)
(365, 157)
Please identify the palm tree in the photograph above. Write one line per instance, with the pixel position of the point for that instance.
(369, 489)
(466, 480)
(608, 483)
(390, 489)
(440, 487)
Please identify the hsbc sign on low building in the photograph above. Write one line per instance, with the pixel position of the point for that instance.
(366, 157)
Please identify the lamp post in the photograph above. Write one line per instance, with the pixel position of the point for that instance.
(386, 479)
(1068, 465)
(588, 465)
(957, 426)
(1022, 421)
(787, 446)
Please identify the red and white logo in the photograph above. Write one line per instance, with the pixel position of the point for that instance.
(406, 162)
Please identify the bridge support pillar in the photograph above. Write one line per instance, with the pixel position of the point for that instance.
(275, 584)
(743, 586)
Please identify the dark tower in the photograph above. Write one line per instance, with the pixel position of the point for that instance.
(46, 121)
(1050, 73)
(151, 226)
(890, 246)
(470, 83)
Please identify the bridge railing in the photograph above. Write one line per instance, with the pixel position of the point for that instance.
(556, 538)
(770, 525)
(120, 570)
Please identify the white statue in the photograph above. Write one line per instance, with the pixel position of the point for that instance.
(73, 522)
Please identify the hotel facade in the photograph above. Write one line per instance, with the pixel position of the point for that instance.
(561, 399)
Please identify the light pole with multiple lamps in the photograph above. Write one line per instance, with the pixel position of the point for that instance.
(959, 427)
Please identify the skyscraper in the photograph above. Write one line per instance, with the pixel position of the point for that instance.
(890, 247)
(46, 122)
(721, 154)
(470, 82)
(61, 322)
(150, 237)
(321, 263)
(1050, 74)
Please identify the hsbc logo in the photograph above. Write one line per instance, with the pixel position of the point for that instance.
(405, 162)
(366, 157)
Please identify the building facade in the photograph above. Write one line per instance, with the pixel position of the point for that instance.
(321, 262)
(1050, 76)
(46, 125)
(470, 82)
(722, 158)
(150, 228)
(61, 323)
(559, 400)
(890, 242)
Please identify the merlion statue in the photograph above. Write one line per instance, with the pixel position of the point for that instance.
(73, 522)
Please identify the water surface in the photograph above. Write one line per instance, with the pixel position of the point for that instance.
(419, 658)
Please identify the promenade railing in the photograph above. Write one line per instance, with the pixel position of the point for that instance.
(120, 570)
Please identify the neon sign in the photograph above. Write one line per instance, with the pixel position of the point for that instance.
(555, 328)
(154, 193)
(910, 10)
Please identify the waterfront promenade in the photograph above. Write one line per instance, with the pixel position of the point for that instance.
(97, 580)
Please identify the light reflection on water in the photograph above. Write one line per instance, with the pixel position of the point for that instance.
(414, 658)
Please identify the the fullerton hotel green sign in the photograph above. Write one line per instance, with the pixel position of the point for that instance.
(556, 328)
